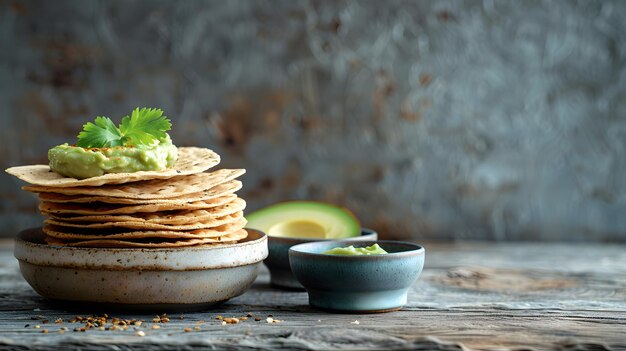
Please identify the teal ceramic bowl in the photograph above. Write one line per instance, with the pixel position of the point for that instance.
(278, 259)
(361, 284)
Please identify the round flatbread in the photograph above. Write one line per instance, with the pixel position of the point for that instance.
(161, 217)
(144, 225)
(149, 189)
(67, 233)
(151, 242)
(60, 209)
(191, 160)
(215, 192)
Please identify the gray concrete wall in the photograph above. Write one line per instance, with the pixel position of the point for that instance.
(497, 120)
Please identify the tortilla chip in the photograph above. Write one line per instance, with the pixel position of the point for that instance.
(98, 208)
(149, 189)
(67, 233)
(144, 225)
(161, 217)
(191, 160)
(152, 242)
(215, 192)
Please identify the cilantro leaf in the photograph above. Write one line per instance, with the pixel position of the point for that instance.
(144, 127)
(101, 133)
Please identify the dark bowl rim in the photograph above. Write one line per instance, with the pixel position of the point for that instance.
(418, 250)
(289, 240)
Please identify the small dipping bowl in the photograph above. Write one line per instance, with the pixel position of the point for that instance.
(359, 283)
(278, 259)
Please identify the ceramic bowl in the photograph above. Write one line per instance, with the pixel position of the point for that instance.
(171, 278)
(365, 283)
(278, 259)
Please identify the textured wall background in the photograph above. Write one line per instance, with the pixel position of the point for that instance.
(430, 119)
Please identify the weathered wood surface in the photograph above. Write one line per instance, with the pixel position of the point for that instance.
(470, 296)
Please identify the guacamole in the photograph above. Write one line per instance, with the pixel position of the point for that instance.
(80, 163)
(351, 250)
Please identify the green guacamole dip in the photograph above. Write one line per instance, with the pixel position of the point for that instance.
(351, 250)
(80, 163)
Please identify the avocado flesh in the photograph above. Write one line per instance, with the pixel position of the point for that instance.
(305, 219)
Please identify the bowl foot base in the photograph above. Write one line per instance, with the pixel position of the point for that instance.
(358, 302)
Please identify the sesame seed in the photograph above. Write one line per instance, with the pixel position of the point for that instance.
(231, 320)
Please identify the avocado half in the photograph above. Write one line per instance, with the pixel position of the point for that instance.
(305, 219)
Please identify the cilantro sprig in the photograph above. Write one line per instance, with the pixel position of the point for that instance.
(144, 127)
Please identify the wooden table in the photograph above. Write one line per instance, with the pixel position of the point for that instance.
(470, 296)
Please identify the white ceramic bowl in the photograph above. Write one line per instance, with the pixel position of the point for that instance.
(173, 278)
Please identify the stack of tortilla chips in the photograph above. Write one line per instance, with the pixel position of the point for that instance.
(181, 206)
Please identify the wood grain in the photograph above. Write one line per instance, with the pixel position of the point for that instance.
(471, 296)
